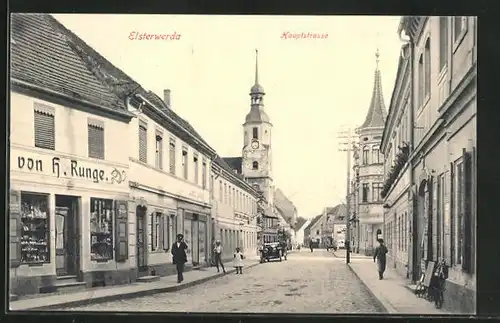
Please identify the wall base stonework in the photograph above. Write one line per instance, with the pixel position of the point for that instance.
(398, 266)
(459, 299)
(108, 277)
(20, 285)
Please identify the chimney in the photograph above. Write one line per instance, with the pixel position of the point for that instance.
(166, 97)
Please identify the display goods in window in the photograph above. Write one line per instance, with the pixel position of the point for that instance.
(101, 229)
(35, 229)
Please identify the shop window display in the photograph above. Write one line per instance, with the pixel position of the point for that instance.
(35, 234)
(101, 229)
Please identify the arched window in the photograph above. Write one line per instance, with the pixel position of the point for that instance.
(366, 150)
(255, 165)
(379, 234)
(255, 133)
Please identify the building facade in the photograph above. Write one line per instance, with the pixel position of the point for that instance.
(234, 210)
(69, 214)
(369, 170)
(442, 157)
(395, 147)
(169, 186)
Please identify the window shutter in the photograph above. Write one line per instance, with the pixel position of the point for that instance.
(447, 249)
(434, 224)
(466, 213)
(121, 231)
(426, 224)
(44, 130)
(15, 228)
(96, 141)
(143, 143)
(452, 214)
(153, 231)
(161, 243)
(166, 230)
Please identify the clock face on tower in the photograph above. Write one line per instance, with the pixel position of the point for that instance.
(255, 144)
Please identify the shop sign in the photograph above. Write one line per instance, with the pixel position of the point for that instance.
(68, 168)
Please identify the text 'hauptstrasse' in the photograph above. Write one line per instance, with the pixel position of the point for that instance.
(294, 35)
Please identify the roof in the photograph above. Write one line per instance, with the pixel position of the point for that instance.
(313, 221)
(287, 217)
(42, 54)
(223, 163)
(121, 84)
(234, 163)
(301, 222)
(375, 118)
(256, 114)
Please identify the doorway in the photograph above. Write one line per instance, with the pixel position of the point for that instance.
(195, 240)
(141, 243)
(67, 235)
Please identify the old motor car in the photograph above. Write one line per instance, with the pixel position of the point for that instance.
(272, 250)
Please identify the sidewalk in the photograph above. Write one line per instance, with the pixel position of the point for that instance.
(392, 292)
(341, 254)
(111, 293)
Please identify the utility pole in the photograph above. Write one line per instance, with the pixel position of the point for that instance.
(345, 141)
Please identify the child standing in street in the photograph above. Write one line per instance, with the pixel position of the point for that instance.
(238, 261)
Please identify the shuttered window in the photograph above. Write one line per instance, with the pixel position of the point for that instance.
(195, 162)
(467, 213)
(143, 142)
(166, 232)
(159, 151)
(443, 42)
(427, 62)
(171, 156)
(185, 163)
(96, 141)
(44, 129)
(156, 231)
(204, 174)
(435, 215)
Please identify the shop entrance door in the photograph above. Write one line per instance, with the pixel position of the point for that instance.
(195, 242)
(67, 235)
(142, 263)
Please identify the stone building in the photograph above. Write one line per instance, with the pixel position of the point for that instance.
(442, 127)
(369, 170)
(234, 209)
(69, 180)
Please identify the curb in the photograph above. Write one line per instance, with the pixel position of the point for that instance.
(141, 293)
(386, 307)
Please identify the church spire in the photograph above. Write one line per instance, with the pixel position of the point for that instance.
(376, 112)
(257, 90)
(256, 66)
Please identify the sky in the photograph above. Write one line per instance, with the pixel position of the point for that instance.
(314, 87)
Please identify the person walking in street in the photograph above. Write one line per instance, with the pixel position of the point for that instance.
(238, 261)
(311, 245)
(379, 255)
(218, 256)
(179, 256)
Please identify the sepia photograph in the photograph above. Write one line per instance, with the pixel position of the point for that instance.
(242, 164)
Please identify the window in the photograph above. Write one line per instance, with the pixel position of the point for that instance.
(156, 219)
(33, 230)
(459, 28)
(96, 139)
(229, 200)
(255, 165)
(44, 128)
(443, 42)
(427, 62)
(195, 162)
(101, 229)
(221, 197)
(159, 151)
(225, 194)
(143, 142)
(204, 174)
(458, 212)
(255, 133)
(212, 189)
(420, 91)
(364, 157)
(245, 138)
(185, 163)
(440, 216)
(171, 157)
(377, 189)
(376, 156)
(365, 192)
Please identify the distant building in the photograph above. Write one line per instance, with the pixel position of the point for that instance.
(300, 233)
(311, 232)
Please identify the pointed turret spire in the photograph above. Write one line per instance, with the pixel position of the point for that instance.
(257, 93)
(376, 112)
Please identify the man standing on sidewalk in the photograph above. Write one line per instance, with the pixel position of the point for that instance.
(379, 254)
(179, 256)
(218, 256)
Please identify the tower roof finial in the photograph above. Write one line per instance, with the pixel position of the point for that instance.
(256, 66)
(377, 53)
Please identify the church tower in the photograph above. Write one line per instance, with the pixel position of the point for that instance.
(257, 157)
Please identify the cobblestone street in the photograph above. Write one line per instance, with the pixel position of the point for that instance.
(307, 282)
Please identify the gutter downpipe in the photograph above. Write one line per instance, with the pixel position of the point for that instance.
(412, 270)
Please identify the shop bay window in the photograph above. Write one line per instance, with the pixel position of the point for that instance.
(161, 231)
(29, 228)
(101, 229)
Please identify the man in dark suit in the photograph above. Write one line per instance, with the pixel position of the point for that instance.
(179, 256)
